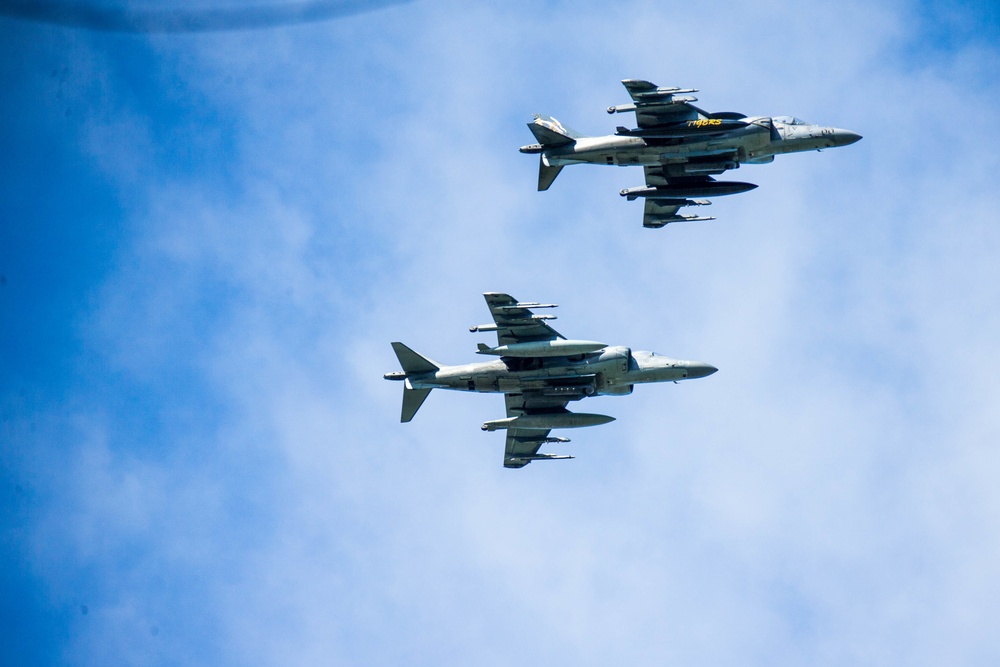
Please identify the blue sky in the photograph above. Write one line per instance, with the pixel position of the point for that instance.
(207, 242)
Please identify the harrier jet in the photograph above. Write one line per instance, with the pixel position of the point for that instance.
(679, 146)
(539, 372)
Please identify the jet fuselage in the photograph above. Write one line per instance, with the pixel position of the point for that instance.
(612, 371)
(753, 142)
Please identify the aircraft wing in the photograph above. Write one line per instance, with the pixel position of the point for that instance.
(656, 211)
(523, 444)
(514, 321)
(659, 211)
(655, 105)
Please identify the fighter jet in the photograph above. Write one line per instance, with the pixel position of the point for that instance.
(539, 372)
(680, 148)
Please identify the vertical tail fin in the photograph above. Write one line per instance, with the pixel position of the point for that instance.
(546, 174)
(412, 400)
(413, 364)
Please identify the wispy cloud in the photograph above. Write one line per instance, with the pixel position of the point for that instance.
(97, 16)
(222, 462)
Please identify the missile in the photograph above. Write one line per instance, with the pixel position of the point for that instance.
(621, 108)
(539, 457)
(659, 91)
(521, 305)
(656, 222)
(546, 441)
(679, 202)
(694, 188)
(512, 324)
(544, 348)
(545, 422)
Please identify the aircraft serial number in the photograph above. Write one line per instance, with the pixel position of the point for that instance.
(705, 122)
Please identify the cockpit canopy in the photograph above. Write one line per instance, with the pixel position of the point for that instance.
(789, 120)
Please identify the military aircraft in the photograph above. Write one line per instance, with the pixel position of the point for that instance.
(680, 148)
(539, 372)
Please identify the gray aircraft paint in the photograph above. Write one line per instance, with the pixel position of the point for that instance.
(542, 379)
(680, 146)
(604, 372)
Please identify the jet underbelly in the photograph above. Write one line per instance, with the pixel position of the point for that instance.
(646, 157)
(487, 383)
(571, 386)
(614, 150)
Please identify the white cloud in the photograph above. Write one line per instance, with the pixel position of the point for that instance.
(827, 497)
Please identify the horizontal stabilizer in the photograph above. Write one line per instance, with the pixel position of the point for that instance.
(412, 362)
(548, 138)
(550, 132)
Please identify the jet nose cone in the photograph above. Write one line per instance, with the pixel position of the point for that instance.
(845, 137)
(699, 370)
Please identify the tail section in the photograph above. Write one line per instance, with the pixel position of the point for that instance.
(550, 132)
(412, 400)
(546, 174)
(412, 364)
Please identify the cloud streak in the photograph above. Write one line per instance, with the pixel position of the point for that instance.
(75, 14)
